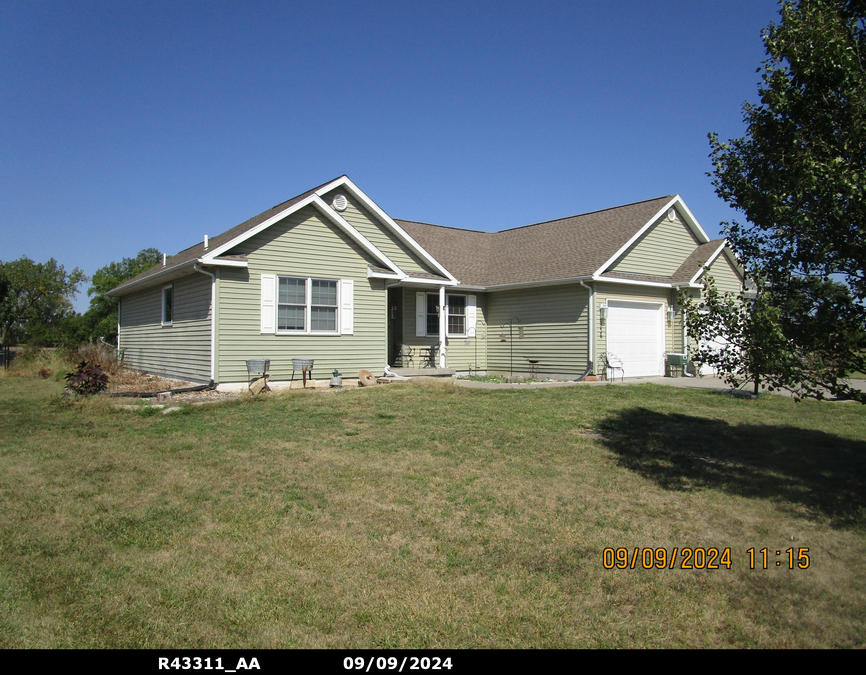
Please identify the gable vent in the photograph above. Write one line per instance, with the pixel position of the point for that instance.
(672, 214)
(340, 202)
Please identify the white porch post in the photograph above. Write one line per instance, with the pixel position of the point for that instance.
(443, 326)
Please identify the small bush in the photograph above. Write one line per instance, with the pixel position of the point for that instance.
(105, 356)
(88, 379)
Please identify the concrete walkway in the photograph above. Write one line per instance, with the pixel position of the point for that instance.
(715, 383)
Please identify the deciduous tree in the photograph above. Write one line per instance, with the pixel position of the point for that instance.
(799, 176)
(36, 297)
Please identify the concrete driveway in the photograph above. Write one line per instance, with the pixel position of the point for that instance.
(715, 383)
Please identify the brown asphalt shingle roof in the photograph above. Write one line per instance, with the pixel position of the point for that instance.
(557, 249)
(197, 251)
(696, 260)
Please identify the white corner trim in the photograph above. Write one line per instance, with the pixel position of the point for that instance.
(681, 208)
(212, 320)
(345, 181)
(709, 262)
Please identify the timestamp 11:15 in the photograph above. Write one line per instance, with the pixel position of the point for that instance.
(793, 557)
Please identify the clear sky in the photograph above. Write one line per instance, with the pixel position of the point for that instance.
(126, 125)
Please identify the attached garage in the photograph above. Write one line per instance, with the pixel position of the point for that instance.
(636, 335)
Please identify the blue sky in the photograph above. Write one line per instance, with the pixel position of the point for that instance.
(138, 124)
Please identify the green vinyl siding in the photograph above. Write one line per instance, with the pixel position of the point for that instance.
(659, 251)
(380, 235)
(724, 275)
(304, 245)
(181, 350)
(555, 332)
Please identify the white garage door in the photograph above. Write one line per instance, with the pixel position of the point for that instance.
(636, 334)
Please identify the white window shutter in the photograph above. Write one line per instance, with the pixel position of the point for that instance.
(471, 315)
(347, 307)
(421, 315)
(269, 310)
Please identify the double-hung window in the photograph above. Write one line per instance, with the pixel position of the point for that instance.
(432, 314)
(457, 315)
(460, 318)
(306, 305)
(323, 306)
(292, 305)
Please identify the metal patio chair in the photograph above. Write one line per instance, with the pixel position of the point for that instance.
(405, 357)
(612, 363)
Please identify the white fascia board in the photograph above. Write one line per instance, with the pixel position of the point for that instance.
(313, 200)
(709, 262)
(428, 282)
(208, 259)
(533, 284)
(224, 263)
(681, 208)
(631, 282)
(379, 275)
(345, 181)
(691, 220)
(365, 243)
(153, 279)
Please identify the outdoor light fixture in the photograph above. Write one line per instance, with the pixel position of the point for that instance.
(671, 315)
(602, 312)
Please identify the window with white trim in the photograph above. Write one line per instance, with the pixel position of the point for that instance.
(432, 314)
(167, 304)
(306, 305)
(456, 315)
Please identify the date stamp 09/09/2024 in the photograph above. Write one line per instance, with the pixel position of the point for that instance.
(703, 558)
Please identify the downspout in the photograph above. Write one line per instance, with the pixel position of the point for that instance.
(212, 320)
(119, 352)
(590, 344)
(443, 326)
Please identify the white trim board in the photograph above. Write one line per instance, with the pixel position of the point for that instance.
(681, 209)
(345, 181)
(312, 200)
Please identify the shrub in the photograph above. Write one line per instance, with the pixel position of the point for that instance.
(88, 379)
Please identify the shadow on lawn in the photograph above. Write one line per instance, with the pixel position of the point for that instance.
(821, 471)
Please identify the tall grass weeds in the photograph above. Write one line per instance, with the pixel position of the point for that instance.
(56, 363)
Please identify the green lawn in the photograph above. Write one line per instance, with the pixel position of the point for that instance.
(429, 516)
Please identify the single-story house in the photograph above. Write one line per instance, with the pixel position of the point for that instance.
(330, 276)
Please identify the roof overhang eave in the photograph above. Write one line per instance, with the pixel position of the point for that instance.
(532, 284)
(151, 280)
(633, 282)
